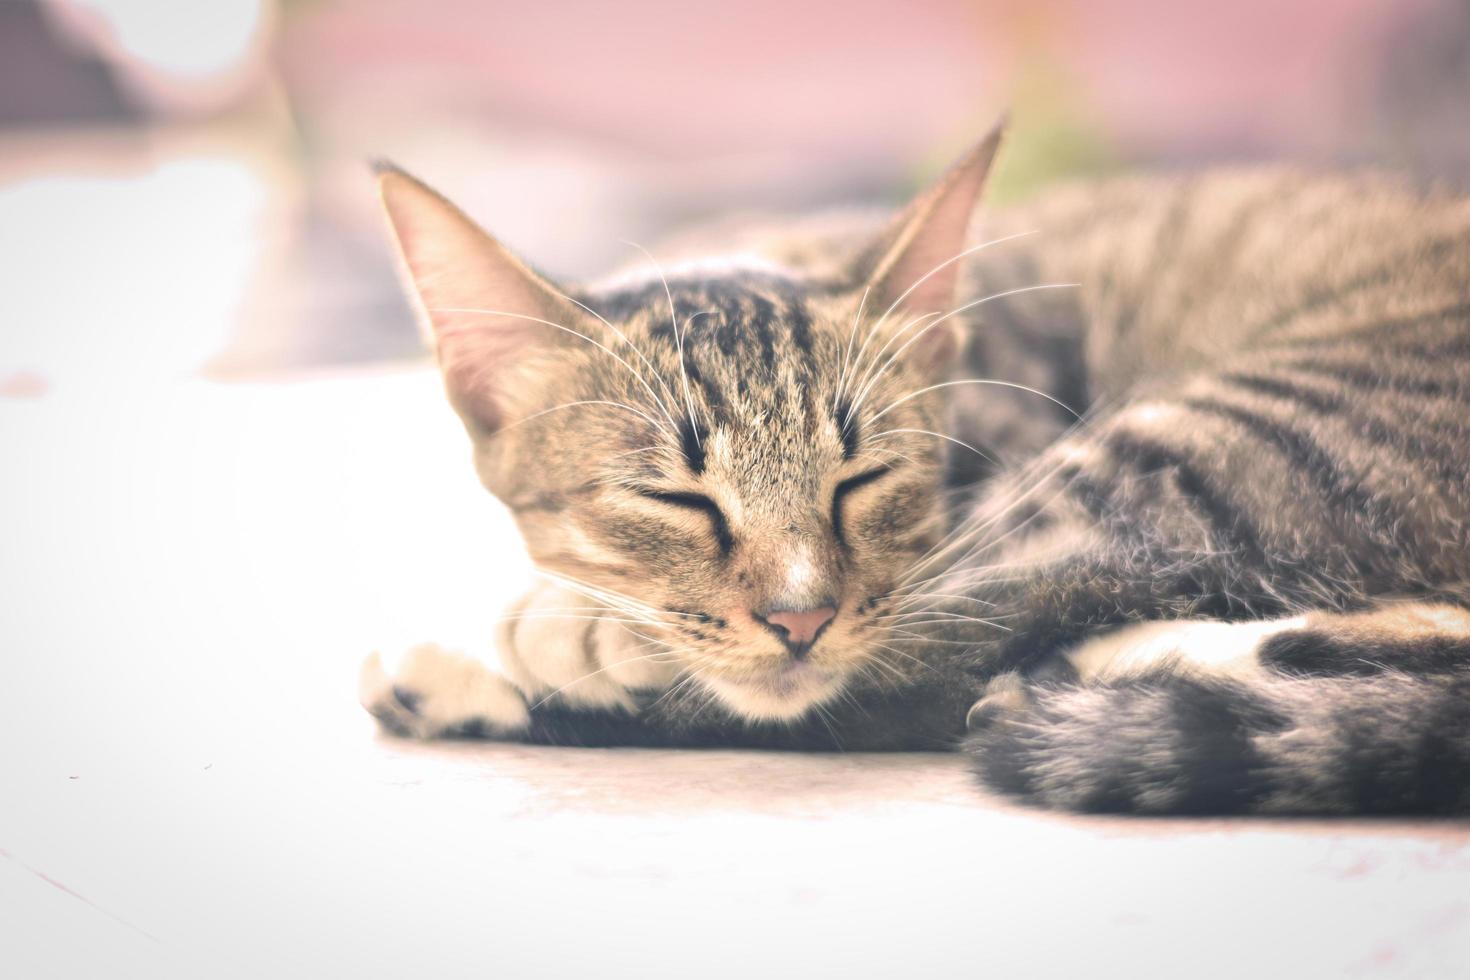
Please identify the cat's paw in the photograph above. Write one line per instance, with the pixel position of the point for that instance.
(557, 646)
(1194, 647)
(1005, 695)
(1199, 648)
(431, 692)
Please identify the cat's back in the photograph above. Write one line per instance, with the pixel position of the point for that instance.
(1211, 227)
(1158, 271)
(1175, 271)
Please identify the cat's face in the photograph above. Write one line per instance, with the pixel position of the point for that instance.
(742, 467)
(757, 506)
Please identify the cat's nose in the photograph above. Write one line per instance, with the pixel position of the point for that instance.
(797, 628)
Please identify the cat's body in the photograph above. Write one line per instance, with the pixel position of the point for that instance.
(769, 533)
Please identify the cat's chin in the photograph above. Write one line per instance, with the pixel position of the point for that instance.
(784, 694)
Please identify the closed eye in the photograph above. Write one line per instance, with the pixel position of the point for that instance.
(846, 487)
(701, 503)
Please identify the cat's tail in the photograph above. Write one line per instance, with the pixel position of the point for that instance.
(1172, 743)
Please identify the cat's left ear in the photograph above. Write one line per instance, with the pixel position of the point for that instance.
(496, 326)
(913, 268)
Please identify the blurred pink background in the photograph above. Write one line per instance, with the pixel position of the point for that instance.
(192, 176)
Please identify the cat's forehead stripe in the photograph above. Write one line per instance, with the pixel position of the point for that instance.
(692, 438)
(733, 341)
(847, 426)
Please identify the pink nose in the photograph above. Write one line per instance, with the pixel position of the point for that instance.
(799, 627)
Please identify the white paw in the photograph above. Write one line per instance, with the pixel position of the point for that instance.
(556, 644)
(430, 692)
(1196, 646)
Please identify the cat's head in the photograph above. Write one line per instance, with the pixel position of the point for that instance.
(744, 464)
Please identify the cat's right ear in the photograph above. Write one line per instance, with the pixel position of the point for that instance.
(492, 321)
(912, 270)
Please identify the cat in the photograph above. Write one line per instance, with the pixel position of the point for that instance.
(1153, 497)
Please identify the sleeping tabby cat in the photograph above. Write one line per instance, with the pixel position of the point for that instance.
(1158, 489)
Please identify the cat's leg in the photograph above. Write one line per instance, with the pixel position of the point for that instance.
(1201, 648)
(1421, 637)
(1267, 710)
(1173, 507)
(431, 692)
(1326, 712)
(571, 674)
(1416, 637)
(559, 657)
(560, 648)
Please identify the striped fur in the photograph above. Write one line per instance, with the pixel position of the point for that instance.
(1277, 368)
(1250, 408)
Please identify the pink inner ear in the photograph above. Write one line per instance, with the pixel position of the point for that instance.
(920, 272)
(935, 294)
(462, 276)
(925, 269)
(937, 349)
(475, 360)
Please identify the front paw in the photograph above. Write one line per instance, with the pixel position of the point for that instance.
(431, 692)
(560, 648)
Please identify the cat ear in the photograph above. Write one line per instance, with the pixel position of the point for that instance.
(913, 268)
(492, 321)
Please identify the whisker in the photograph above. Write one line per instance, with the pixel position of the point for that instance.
(521, 617)
(874, 370)
(635, 349)
(872, 331)
(684, 373)
(880, 662)
(630, 660)
(691, 675)
(1033, 477)
(946, 263)
(609, 597)
(886, 453)
(900, 653)
(575, 333)
(979, 548)
(943, 595)
(824, 718)
(847, 354)
(937, 435)
(951, 620)
(678, 336)
(878, 374)
(965, 534)
(644, 449)
(912, 637)
(591, 401)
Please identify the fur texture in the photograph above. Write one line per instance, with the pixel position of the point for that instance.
(1232, 408)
